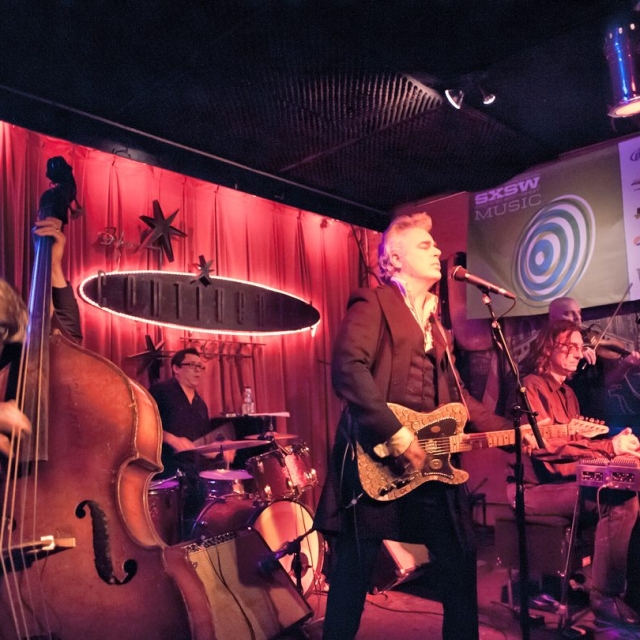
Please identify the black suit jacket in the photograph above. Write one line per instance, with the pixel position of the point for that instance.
(370, 367)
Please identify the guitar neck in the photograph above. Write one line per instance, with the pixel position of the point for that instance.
(488, 440)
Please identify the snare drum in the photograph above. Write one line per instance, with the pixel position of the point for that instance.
(283, 473)
(280, 522)
(224, 482)
(165, 508)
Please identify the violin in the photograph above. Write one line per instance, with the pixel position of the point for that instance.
(606, 345)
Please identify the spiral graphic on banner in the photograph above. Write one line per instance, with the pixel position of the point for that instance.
(554, 249)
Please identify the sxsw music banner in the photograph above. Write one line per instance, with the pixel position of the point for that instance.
(567, 229)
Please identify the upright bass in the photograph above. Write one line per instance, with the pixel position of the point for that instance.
(80, 556)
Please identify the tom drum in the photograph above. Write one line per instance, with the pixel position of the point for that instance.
(283, 473)
(280, 522)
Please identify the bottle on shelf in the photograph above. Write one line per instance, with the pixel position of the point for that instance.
(248, 403)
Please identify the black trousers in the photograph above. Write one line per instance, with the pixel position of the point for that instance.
(449, 543)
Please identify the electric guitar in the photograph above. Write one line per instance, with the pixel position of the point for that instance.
(440, 433)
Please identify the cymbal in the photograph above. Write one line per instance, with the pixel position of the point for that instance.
(226, 474)
(273, 435)
(226, 445)
(236, 416)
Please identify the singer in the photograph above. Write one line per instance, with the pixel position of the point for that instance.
(392, 348)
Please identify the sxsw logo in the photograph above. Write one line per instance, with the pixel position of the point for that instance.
(508, 191)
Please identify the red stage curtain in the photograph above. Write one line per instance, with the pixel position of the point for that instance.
(247, 237)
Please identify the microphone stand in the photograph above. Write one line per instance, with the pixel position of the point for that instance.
(518, 410)
(292, 547)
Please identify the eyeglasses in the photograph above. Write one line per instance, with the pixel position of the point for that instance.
(570, 347)
(194, 366)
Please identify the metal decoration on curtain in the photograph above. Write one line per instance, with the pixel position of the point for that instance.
(151, 359)
(161, 231)
(204, 267)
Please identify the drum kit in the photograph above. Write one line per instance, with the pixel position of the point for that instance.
(265, 496)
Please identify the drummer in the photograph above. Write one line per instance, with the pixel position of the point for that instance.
(185, 421)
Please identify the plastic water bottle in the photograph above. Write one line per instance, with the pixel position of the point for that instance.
(248, 404)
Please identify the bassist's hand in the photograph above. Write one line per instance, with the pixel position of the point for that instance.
(414, 455)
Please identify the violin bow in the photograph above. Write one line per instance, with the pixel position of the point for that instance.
(615, 313)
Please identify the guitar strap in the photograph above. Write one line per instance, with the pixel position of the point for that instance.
(450, 360)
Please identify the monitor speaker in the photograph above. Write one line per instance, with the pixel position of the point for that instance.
(396, 563)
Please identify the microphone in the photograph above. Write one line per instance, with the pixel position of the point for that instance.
(462, 275)
(270, 562)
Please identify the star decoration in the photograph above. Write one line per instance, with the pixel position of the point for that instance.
(161, 230)
(204, 266)
(151, 359)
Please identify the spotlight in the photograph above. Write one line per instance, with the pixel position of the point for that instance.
(455, 97)
(619, 49)
(487, 98)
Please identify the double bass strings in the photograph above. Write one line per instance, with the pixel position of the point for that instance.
(23, 462)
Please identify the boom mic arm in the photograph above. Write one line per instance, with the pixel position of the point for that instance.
(462, 275)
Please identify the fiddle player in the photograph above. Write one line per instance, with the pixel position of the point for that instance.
(391, 348)
(550, 486)
(592, 382)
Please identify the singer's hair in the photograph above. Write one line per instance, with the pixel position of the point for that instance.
(539, 357)
(392, 241)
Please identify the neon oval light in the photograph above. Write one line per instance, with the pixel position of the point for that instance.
(183, 301)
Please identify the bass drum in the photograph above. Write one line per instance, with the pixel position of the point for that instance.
(280, 522)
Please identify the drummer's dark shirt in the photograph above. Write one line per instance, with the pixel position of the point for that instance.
(183, 419)
(179, 416)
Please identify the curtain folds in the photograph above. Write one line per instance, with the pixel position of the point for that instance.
(307, 255)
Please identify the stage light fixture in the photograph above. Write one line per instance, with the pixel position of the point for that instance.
(620, 51)
(487, 98)
(455, 97)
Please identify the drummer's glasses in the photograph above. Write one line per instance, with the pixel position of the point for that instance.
(194, 366)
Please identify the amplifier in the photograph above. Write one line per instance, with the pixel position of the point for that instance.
(396, 563)
(621, 472)
(233, 589)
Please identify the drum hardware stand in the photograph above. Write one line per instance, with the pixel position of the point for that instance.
(182, 486)
(501, 343)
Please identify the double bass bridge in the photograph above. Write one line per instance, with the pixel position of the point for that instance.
(17, 557)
